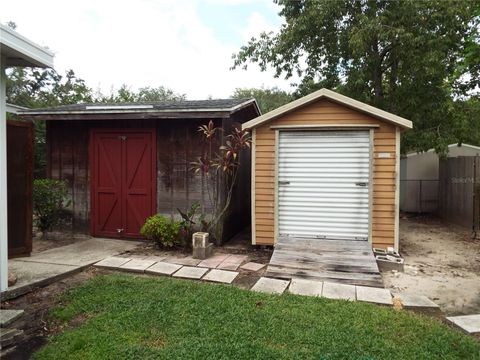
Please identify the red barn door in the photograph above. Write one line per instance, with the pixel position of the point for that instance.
(123, 179)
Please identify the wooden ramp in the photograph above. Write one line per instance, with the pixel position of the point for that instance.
(340, 261)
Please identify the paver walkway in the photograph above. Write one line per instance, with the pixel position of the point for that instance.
(264, 284)
(468, 323)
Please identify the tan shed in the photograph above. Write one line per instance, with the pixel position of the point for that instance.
(326, 167)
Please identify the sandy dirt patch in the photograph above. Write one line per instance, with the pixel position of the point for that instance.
(442, 262)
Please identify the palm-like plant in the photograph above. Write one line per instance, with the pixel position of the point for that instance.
(220, 162)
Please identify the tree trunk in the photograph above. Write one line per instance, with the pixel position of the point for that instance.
(377, 74)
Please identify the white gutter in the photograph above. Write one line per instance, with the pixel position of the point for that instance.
(26, 49)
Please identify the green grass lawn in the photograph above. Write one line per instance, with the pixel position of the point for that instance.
(130, 317)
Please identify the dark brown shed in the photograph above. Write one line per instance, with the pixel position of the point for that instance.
(149, 147)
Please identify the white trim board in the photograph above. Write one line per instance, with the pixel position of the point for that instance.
(396, 234)
(325, 127)
(330, 95)
(253, 189)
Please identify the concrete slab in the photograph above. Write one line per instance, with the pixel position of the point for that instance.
(270, 286)
(415, 301)
(81, 253)
(48, 266)
(338, 291)
(468, 323)
(8, 316)
(32, 275)
(306, 287)
(221, 276)
(252, 266)
(136, 265)
(190, 272)
(214, 261)
(374, 295)
(163, 268)
(112, 262)
(232, 262)
(187, 260)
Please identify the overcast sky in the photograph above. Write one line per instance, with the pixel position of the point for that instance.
(185, 45)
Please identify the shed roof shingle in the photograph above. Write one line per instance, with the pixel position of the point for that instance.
(161, 106)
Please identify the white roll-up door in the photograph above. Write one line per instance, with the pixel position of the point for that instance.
(323, 189)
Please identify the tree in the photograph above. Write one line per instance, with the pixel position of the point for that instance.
(408, 57)
(144, 94)
(267, 99)
(220, 163)
(35, 88)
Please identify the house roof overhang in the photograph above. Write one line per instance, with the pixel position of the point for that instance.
(20, 51)
(332, 96)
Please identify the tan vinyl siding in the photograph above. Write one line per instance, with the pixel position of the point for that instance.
(325, 112)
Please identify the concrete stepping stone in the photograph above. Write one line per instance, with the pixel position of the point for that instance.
(306, 287)
(190, 272)
(112, 262)
(187, 260)
(162, 268)
(232, 262)
(415, 301)
(468, 323)
(155, 258)
(252, 266)
(270, 286)
(8, 316)
(214, 261)
(221, 276)
(137, 265)
(374, 295)
(338, 291)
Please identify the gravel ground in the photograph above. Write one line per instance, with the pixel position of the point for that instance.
(442, 262)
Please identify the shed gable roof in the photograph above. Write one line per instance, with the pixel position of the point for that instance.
(335, 97)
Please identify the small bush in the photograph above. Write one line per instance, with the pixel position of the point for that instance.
(188, 223)
(163, 231)
(49, 198)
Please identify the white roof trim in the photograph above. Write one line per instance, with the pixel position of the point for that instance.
(24, 48)
(15, 109)
(118, 107)
(414, 153)
(331, 95)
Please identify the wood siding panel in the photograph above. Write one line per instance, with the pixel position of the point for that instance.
(325, 112)
(178, 144)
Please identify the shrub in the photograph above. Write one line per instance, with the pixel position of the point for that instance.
(163, 231)
(188, 222)
(49, 198)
